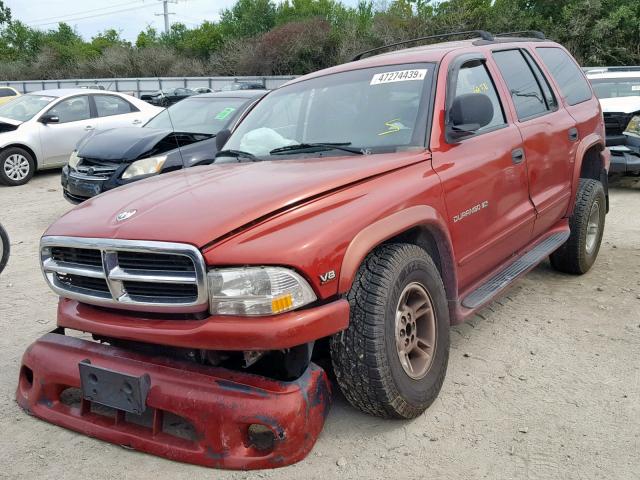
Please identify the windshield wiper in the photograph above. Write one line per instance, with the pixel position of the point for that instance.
(237, 154)
(325, 146)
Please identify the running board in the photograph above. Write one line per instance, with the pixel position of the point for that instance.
(503, 278)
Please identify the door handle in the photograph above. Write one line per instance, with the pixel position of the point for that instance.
(137, 121)
(88, 128)
(517, 156)
(573, 135)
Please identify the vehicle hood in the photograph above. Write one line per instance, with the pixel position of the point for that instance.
(620, 104)
(9, 122)
(121, 144)
(201, 204)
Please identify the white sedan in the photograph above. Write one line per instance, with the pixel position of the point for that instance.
(40, 130)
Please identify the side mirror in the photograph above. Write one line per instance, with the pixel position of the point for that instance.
(468, 114)
(222, 137)
(49, 119)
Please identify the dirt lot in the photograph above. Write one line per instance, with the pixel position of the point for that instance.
(543, 384)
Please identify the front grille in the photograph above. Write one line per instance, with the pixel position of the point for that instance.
(151, 261)
(154, 290)
(616, 123)
(81, 256)
(138, 275)
(96, 168)
(98, 285)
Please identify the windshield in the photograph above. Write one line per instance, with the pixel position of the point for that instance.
(206, 116)
(617, 87)
(25, 107)
(379, 109)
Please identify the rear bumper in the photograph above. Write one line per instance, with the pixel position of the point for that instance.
(220, 405)
(212, 333)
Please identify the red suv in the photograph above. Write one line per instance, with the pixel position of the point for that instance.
(359, 210)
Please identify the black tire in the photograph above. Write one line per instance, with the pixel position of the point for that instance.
(365, 358)
(4, 248)
(573, 256)
(9, 155)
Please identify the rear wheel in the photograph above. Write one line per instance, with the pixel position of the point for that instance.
(580, 251)
(392, 359)
(16, 166)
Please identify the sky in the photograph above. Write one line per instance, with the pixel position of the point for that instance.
(90, 17)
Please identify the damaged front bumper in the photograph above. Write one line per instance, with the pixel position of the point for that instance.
(192, 413)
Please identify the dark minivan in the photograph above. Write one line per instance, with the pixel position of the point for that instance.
(181, 136)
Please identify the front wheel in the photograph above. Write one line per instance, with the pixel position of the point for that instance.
(580, 251)
(16, 166)
(392, 359)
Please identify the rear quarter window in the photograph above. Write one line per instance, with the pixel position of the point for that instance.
(567, 74)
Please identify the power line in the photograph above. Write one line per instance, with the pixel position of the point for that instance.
(90, 16)
(62, 17)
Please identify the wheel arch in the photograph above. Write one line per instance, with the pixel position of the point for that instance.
(24, 147)
(419, 225)
(590, 163)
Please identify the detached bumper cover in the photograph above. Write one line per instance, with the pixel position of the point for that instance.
(212, 333)
(222, 407)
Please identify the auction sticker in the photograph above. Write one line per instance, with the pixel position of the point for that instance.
(399, 76)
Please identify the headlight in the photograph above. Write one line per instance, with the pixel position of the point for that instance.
(257, 291)
(146, 166)
(74, 159)
(634, 126)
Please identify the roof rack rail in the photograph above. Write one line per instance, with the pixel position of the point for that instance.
(531, 33)
(479, 33)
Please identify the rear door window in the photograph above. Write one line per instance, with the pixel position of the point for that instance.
(108, 105)
(525, 90)
(565, 71)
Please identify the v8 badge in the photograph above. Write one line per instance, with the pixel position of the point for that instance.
(327, 277)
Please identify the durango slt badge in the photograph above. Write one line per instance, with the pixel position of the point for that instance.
(125, 214)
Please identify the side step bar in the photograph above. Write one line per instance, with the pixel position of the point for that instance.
(521, 265)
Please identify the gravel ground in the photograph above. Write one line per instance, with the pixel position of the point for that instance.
(542, 384)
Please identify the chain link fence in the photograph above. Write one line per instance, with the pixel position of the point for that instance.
(141, 86)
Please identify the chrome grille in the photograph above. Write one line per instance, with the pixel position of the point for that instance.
(129, 274)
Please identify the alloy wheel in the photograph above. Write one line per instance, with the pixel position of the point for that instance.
(16, 167)
(415, 330)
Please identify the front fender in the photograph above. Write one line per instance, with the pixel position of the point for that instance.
(384, 229)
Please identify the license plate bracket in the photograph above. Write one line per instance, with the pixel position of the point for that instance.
(114, 389)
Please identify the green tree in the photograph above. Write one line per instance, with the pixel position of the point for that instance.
(248, 18)
(5, 14)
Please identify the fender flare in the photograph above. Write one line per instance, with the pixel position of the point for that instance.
(388, 227)
(585, 144)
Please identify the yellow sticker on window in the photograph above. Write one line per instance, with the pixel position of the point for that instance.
(393, 126)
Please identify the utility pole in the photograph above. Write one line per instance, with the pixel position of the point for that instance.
(166, 13)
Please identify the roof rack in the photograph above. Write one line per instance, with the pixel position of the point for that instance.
(522, 33)
(479, 33)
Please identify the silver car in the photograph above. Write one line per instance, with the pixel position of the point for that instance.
(40, 130)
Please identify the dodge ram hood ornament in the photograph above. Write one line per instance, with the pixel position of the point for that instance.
(125, 214)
